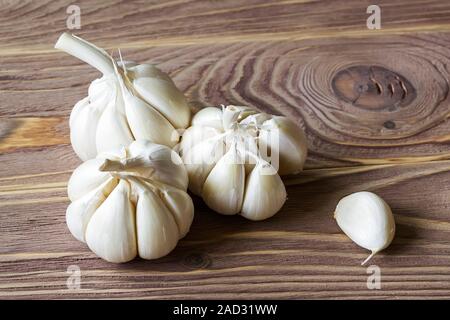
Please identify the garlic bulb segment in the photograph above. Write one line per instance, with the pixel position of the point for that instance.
(110, 232)
(292, 143)
(367, 220)
(130, 202)
(265, 145)
(223, 190)
(265, 194)
(129, 102)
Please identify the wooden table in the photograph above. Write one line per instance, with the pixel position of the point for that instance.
(374, 104)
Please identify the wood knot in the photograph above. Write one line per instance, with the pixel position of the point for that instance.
(373, 88)
(196, 260)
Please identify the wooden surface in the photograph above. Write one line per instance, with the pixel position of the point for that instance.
(374, 104)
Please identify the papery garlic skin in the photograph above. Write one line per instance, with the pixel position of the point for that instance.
(130, 202)
(367, 220)
(134, 101)
(259, 143)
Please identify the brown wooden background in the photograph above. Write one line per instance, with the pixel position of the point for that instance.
(374, 105)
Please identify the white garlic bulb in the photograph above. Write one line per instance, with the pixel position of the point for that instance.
(134, 101)
(367, 220)
(130, 202)
(234, 156)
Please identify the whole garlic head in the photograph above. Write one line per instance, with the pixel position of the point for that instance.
(130, 202)
(134, 101)
(367, 220)
(234, 156)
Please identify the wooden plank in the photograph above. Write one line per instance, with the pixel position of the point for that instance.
(299, 253)
(374, 105)
(300, 79)
(133, 24)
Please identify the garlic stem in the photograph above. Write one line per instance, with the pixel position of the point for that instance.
(85, 51)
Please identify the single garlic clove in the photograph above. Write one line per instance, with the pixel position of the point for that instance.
(147, 123)
(111, 233)
(86, 178)
(83, 128)
(283, 137)
(223, 190)
(265, 193)
(195, 135)
(200, 160)
(157, 231)
(166, 98)
(146, 70)
(181, 206)
(208, 117)
(112, 128)
(80, 211)
(367, 220)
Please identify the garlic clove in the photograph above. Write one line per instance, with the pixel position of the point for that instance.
(181, 206)
(195, 135)
(291, 144)
(86, 178)
(111, 233)
(147, 123)
(166, 98)
(79, 106)
(265, 193)
(200, 160)
(146, 70)
(157, 231)
(80, 211)
(112, 129)
(83, 127)
(367, 220)
(208, 117)
(223, 190)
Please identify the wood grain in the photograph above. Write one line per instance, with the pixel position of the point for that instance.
(374, 105)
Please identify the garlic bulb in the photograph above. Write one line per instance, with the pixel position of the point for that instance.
(234, 156)
(134, 101)
(367, 220)
(130, 202)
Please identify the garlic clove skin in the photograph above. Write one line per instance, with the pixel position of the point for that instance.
(292, 145)
(84, 128)
(367, 220)
(147, 123)
(195, 135)
(147, 70)
(86, 178)
(181, 206)
(157, 231)
(80, 211)
(166, 98)
(208, 117)
(265, 193)
(167, 165)
(200, 160)
(223, 190)
(112, 129)
(110, 233)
